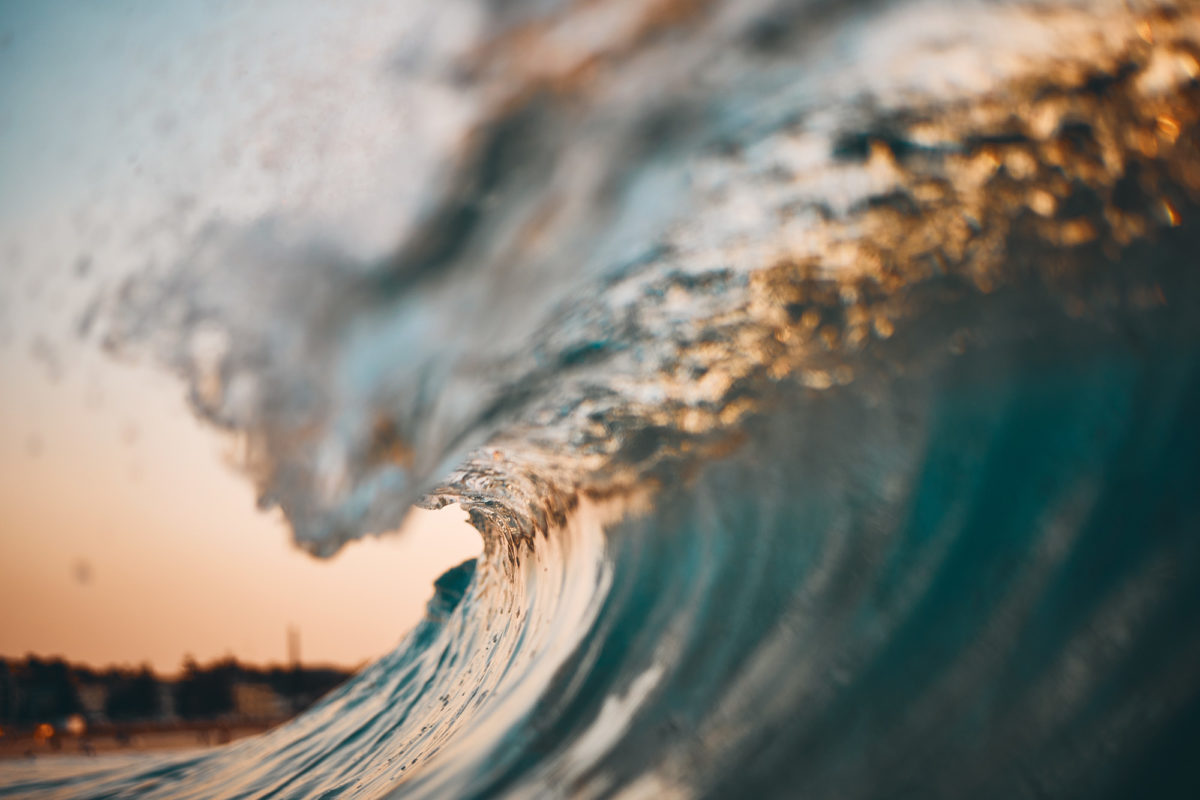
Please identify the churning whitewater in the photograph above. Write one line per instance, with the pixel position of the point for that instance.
(823, 377)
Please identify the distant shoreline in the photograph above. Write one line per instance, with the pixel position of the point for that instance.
(51, 707)
(131, 739)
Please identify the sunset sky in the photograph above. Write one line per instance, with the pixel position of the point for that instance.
(124, 129)
(124, 538)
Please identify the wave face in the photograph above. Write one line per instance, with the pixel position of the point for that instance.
(822, 377)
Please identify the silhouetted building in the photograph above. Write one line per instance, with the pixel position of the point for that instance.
(257, 700)
(35, 691)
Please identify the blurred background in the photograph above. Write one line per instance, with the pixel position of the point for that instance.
(126, 539)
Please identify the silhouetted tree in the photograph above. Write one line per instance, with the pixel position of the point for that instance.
(8, 693)
(48, 693)
(135, 696)
(205, 692)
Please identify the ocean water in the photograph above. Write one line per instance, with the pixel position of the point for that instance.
(824, 379)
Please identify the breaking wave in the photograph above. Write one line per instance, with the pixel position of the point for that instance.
(824, 381)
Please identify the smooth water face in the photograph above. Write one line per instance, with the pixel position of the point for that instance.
(825, 443)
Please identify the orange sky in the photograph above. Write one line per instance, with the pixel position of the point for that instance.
(124, 538)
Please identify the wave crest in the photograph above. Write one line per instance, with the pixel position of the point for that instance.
(890, 399)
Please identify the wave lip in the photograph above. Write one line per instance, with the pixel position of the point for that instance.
(627, 244)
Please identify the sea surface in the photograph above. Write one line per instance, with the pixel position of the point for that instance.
(823, 377)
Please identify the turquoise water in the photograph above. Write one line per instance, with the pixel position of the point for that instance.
(827, 439)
